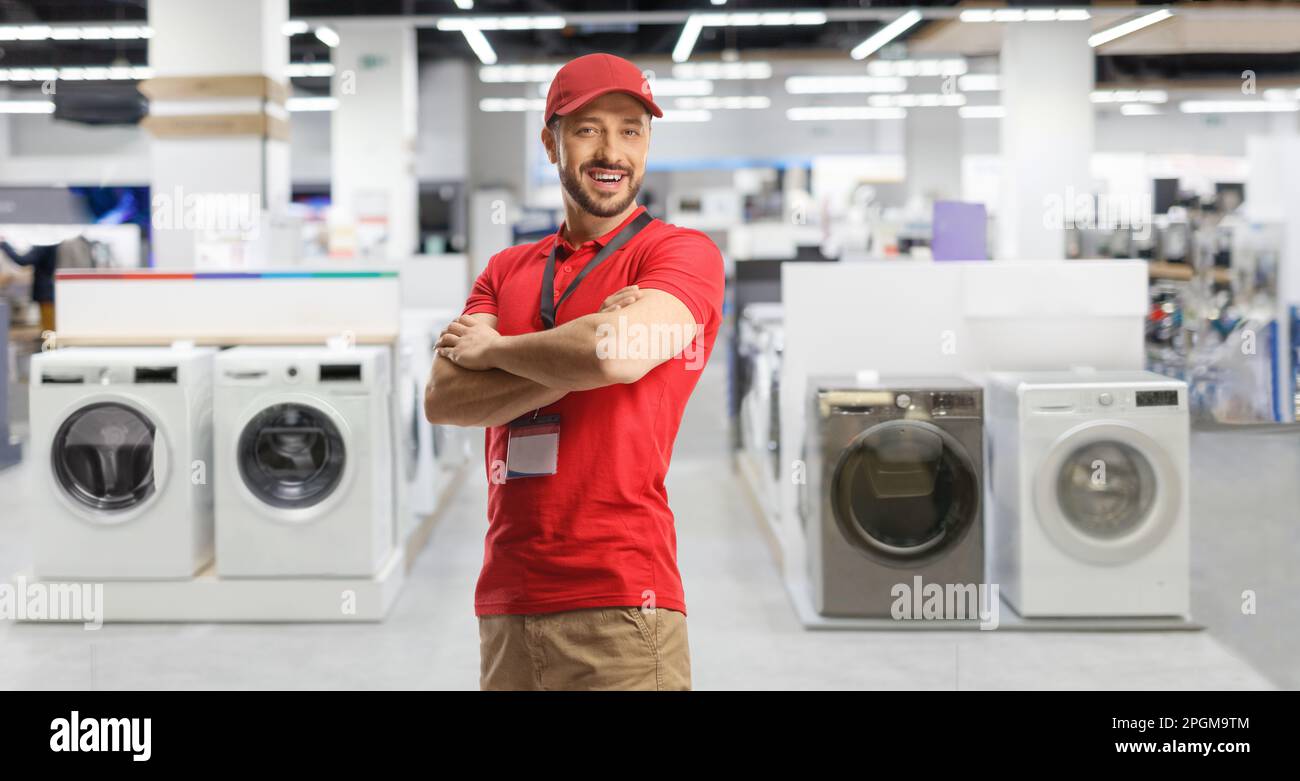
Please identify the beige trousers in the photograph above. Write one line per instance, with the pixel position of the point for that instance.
(585, 650)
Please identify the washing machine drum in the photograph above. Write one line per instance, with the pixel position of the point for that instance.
(904, 490)
(291, 456)
(1106, 489)
(103, 457)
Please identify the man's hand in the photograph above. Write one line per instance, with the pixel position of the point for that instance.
(466, 341)
(621, 298)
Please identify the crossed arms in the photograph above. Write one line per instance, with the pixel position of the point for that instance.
(481, 378)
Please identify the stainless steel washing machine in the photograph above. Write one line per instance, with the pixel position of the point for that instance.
(893, 489)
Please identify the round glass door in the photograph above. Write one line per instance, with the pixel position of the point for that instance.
(103, 457)
(1106, 489)
(904, 489)
(291, 456)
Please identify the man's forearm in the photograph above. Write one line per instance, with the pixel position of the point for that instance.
(461, 397)
(563, 357)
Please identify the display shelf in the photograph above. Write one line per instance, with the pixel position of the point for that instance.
(751, 485)
(208, 598)
(800, 593)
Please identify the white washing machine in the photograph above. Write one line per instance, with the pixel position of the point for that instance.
(123, 437)
(305, 481)
(418, 439)
(760, 348)
(1089, 495)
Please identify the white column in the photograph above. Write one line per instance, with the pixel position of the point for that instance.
(373, 187)
(1047, 134)
(220, 150)
(933, 150)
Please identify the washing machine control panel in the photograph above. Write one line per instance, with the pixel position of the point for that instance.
(1115, 400)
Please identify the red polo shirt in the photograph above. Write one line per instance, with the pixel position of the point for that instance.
(599, 532)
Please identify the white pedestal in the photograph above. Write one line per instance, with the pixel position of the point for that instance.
(207, 598)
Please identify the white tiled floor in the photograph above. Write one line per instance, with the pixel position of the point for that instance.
(743, 632)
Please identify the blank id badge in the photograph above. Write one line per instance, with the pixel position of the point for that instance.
(533, 447)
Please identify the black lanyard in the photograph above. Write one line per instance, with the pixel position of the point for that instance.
(549, 304)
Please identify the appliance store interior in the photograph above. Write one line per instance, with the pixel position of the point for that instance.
(1003, 394)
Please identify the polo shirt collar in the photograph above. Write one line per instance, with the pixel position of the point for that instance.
(599, 241)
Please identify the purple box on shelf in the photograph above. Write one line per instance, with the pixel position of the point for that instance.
(959, 231)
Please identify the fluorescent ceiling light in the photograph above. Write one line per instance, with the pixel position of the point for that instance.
(327, 36)
(821, 113)
(1139, 110)
(309, 69)
(672, 88)
(885, 34)
(725, 102)
(1129, 96)
(26, 107)
(833, 85)
(34, 32)
(982, 112)
(1237, 106)
(509, 74)
(479, 43)
(723, 71)
(688, 115)
(939, 67)
(910, 101)
(512, 104)
(294, 27)
(1132, 25)
(697, 22)
(312, 103)
(978, 82)
(686, 41)
(977, 15)
(45, 32)
(465, 5)
(502, 23)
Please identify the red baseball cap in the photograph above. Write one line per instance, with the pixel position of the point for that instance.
(588, 77)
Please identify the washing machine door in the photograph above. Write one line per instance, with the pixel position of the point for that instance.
(1107, 493)
(103, 459)
(904, 492)
(291, 455)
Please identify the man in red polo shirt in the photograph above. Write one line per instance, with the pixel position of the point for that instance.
(578, 354)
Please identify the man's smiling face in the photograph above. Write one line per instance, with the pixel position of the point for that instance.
(600, 152)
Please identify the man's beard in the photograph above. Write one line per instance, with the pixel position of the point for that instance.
(602, 207)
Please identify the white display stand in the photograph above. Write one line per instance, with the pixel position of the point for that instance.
(207, 598)
(292, 306)
(952, 318)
